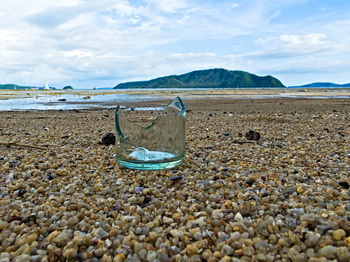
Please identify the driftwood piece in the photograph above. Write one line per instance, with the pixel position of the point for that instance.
(21, 145)
(241, 142)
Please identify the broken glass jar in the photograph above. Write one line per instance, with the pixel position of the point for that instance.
(143, 142)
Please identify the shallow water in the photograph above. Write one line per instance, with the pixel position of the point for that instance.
(65, 100)
(18, 100)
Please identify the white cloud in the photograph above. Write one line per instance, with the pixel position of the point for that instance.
(78, 53)
(305, 43)
(169, 6)
(108, 41)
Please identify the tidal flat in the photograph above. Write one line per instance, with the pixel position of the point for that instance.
(107, 98)
(280, 196)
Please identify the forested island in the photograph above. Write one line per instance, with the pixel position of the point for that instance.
(18, 87)
(326, 84)
(211, 78)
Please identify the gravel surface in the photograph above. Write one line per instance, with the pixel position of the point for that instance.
(263, 180)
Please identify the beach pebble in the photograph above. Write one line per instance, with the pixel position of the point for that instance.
(176, 233)
(343, 254)
(338, 234)
(70, 252)
(328, 251)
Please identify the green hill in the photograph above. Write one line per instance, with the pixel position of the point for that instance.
(14, 87)
(211, 78)
(325, 84)
(18, 87)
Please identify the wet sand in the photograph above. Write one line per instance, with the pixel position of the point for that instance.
(280, 198)
(69, 99)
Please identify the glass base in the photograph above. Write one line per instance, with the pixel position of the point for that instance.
(144, 159)
(150, 166)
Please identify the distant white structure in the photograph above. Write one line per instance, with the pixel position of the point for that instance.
(47, 87)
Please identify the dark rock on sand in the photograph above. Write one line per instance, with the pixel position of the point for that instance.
(252, 135)
(108, 139)
(344, 184)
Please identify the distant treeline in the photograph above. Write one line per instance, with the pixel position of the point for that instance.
(13, 87)
(18, 87)
(325, 84)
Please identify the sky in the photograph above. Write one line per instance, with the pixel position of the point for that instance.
(100, 43)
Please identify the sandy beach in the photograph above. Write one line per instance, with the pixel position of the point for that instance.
(282, 197)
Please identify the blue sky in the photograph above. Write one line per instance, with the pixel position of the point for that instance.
(90, 43)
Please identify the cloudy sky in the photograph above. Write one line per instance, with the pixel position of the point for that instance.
(99, 43)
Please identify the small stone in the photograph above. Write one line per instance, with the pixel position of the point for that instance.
(344, 184)
(339, 234)
(347, 207)
(168, 220)
(251, 180)
(252, 135)
(318, 259)
(154, 235)
(22, 258)
(70, 252)
(119, 258)
(295, 256)
(176, 233)
(238, 217)
(191, 250)
(261, 257)
(347, 242)
(217, 214)
(300, 190)
(151, 255)
(343, 254)
(227, 250)
(4, 257)
(72, 221)
(108, 139)
(35, 258)
(100, 251)
(106, 258)
(328, 251)
(206, 254)
(80, 238)
(100, 233)
(63, 237)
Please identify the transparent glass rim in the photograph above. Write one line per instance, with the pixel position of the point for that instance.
(120, 110)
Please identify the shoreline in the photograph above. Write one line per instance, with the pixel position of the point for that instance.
(67, 100)
(211, 103)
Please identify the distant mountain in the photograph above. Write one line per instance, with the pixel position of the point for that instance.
(211, 78)
(13, 87)
(17, 87)
(325, 84)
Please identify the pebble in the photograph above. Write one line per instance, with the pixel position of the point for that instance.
(70, 252)
(339, 234)
(176, 233)
(63, 237)
(328, 251)
(238, 217)
(191, 250)
(100, 233)
(343, 254)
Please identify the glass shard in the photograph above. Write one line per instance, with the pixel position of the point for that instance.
(144, 143)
